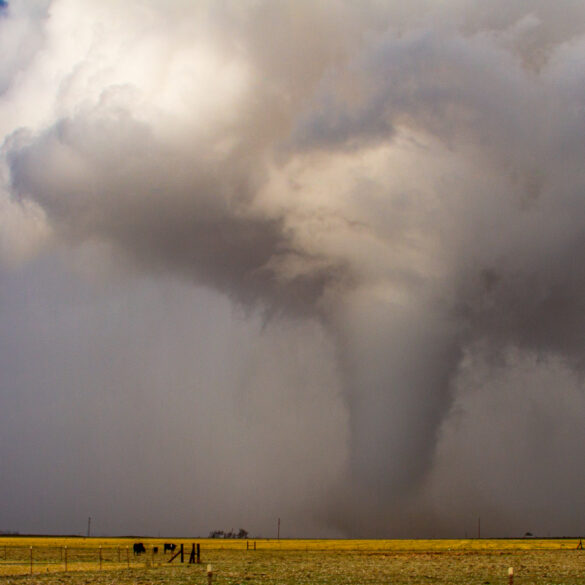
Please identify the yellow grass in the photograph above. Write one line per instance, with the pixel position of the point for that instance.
(427, 545)
(286, 561)
(423, 545)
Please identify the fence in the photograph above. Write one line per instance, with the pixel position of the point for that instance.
(22, 560)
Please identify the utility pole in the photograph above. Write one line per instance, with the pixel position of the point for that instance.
(89, 527)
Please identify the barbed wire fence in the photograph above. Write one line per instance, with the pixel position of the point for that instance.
(23, 560)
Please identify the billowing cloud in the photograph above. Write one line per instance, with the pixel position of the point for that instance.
(398, 190)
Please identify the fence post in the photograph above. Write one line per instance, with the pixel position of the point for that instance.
(65, 558)
(100, 558)
(198, 554)
(31, 561)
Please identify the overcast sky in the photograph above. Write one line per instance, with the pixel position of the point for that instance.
(312, 260)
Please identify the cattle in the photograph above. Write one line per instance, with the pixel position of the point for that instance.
(155, 550)
(169, 547)
(139, 548)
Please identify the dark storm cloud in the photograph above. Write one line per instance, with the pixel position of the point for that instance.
(405, 182)
(104, 175)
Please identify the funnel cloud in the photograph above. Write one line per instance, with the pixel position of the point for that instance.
(296, 260)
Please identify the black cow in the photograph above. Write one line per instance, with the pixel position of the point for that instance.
(155, 550)
(169, 546)
(139, 548)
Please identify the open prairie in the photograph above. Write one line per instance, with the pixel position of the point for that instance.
(77, 561)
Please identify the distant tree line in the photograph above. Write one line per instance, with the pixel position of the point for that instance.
(241, 533)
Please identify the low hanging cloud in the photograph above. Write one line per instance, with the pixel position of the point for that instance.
(403, 184)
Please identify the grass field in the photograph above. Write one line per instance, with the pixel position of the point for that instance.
(286, 562)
